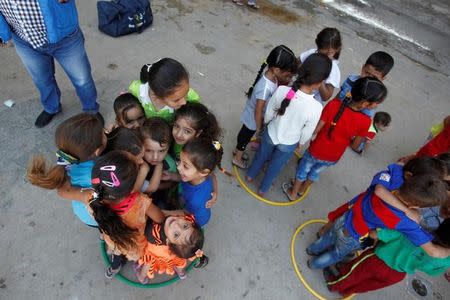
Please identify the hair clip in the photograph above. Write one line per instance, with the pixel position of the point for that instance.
(95, 180)
(348, 95)
(65, 159)
(217, 145)
(108, 168)
(199, 253)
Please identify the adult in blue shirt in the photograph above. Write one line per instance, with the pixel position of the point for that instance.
(42, 31)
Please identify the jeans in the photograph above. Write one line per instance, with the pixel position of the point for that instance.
(278, 155)
(333, 246)
(311, 167)
(71, 55)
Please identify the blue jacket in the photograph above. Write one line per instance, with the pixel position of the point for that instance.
(61, 19)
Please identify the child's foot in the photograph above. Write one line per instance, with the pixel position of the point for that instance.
(142, 278)
(261, 194)
(252, 5)
(110, 273)
(180, 272)
(287, 190)
(238, 2)
(242, 164)
(244, 154)
(310, 253)
(308, 264)
(248, 179)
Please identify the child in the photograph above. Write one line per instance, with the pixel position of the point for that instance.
(339, 123)
(381, 122)
(121, 214)
(198, 160)
(79, 139)
(122, 138)
(194, 120)
(169, 246)
(292, 115)
(281, 65)
(393, 258)
(328, 42)
(368, 212)
(163, 87)
(129, 112)
(377, 65)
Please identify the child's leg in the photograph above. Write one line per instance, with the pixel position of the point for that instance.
(263, 154)
(180, 272)
(243, 138)
(304, 166)
(314, 173)
(117, 261)
(280, 157)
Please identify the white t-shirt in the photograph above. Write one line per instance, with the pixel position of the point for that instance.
(334, 78)
(299, 120)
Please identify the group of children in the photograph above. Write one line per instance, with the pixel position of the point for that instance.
(289, 106)
(147, 181)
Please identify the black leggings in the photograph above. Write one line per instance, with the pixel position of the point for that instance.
(117, 261)
(244, 137)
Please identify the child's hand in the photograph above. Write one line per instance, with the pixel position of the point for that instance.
(212, 201)
(373, 235)
(414, 215)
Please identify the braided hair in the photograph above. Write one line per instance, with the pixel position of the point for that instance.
(315, 69)
(280, 57)
(367, 89)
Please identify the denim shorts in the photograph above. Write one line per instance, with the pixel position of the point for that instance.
(311, 167)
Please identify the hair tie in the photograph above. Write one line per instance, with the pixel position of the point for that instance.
(217, 145)
(199, 253)
(149, 66)
(348, 95)
(64, 159)
(290, 95)
(333, 123)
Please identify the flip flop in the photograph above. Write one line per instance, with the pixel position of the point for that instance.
(238, 2)
(285, 186)
(253, 5)
(244, 155)
(240, 164)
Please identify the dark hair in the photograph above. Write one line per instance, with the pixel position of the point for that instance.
(124, 139)
(382, 118)
(441, 235)
(157, 129)
(314, 69)
(164, 76)
(424, 191)
(109, 222)
(204, 154)
(123, 104)
(424, 165)
(329, 38)
(196, 241)
(381, 61)
(444, 159)
(367, 89)
(280, 57)
(79, 136)
(201, 119)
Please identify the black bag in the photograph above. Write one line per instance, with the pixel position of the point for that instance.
(120, 17)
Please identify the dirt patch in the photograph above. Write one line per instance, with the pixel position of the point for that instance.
(277, 13)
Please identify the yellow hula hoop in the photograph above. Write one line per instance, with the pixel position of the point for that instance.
(267, 201)
(294, 261)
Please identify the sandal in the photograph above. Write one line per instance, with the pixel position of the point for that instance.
(110, 272)
(180, 272)
(201, 262)
(244, 155)
(137, 269)
(240, 164)
(253, 5)
(238, 2)
(285, 186)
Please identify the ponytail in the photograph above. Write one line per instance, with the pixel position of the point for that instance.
(43, 176)
(261, 69)
(290, 95)
(338, 115)
(145, 73)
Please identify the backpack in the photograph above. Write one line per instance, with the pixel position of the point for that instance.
(120, 17)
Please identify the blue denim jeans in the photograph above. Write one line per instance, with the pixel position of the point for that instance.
(71, 55)
(311, 167)
(333, 246)
(277, 155)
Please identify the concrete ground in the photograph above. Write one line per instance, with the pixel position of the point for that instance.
(47, 254)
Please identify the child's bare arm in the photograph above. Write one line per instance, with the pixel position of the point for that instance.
(326, 91)
(74, 193)
(356, 142)
(259, 116)
(318, 128)
(390, 199)
(435, 250)
(155, 213)
(174, 213)
(142, 174)
(170, 176)
(155, 180)
(215, 192)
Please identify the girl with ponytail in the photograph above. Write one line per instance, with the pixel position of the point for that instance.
(121, 214)
(277, 69)
(292, 115)
(339, 123)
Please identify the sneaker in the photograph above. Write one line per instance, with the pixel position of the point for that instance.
(44, 118)
(110, 272)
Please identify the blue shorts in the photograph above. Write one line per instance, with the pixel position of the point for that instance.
(311, 167)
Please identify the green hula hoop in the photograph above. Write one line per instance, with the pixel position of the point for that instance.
(132, 283)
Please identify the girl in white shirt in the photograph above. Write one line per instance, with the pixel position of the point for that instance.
(292, 115)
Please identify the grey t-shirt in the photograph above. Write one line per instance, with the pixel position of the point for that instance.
(263, 90)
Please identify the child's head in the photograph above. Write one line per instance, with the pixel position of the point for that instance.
(198, 159)
(129, 112)
(377, 65)
(79, 138)
(184, 236)
(423, 191)
(423, 165)
(282, 62)
(313, 71)
(329, 42)
(157, 137)
(195, 120)
(441, 235)
(444, 159)
(382, 120)
(113, 178)
(128, 140)
(168, 81)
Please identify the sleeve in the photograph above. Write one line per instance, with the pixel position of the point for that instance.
(438, 145)
(335, 76)
(262, 93)
(309, 126)
(192, 96)
(134, 88)
(365, 125)
(273, 104)
(413, 232)
(391, 179)
(387, 235)
(370, 135)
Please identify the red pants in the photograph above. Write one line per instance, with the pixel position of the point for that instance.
(363, 274)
